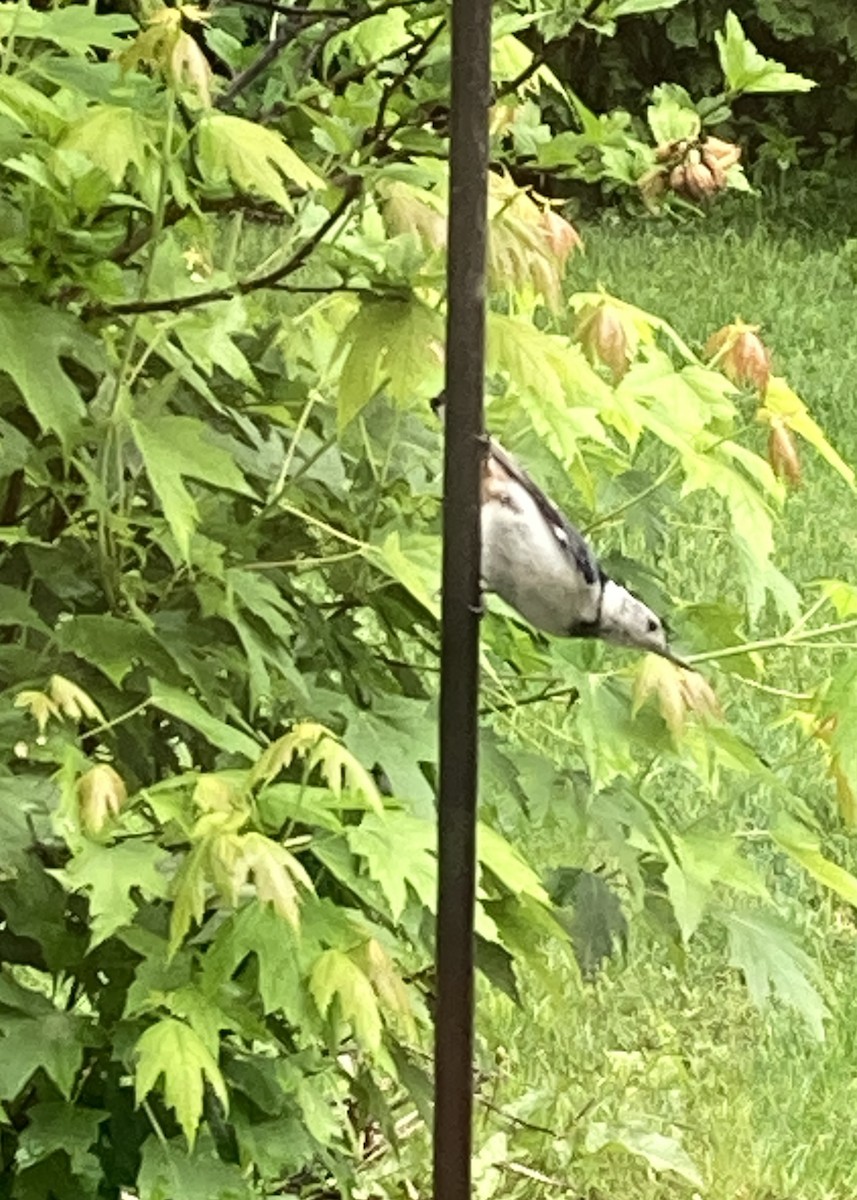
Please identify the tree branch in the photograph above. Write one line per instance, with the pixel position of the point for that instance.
(390, 88)
(241, 287)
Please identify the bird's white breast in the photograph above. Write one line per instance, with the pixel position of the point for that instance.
(524, 562)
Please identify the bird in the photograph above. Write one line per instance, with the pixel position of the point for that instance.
(543, 567)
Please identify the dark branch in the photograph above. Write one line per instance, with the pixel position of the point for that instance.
(244, 78)
(243, 286)
(512, 85)
(257, 210)
(390, 88)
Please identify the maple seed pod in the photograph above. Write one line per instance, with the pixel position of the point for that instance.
(741, 355)
(783, 455)
(603, 336)
(725, 154)
(717, 173)
(698, 181)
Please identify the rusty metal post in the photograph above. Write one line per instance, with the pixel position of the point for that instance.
(459, 683)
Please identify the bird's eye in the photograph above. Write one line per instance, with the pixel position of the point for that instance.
(652, 625)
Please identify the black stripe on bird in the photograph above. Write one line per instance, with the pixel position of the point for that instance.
(535, 560)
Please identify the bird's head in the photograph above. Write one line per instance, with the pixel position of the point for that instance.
(626, 621)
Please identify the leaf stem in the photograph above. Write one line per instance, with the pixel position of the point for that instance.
(784, 642)
(647, 491)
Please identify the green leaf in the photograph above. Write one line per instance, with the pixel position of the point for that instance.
(185, 707)
(803, 847)
(275, 874)
(172, 1049)
(169, 1172)
(175, 448)
(699, 861)
(15, 609)
(112, 644)
(112, 138)
(52, 1042)
(255, 158)
(74, 29)
(47, 390)
(256, 929)
(335, 976)
(399, 850)
(746, 70)
(672, 114)
(502, 859)
(55, 1126)
(662, 1153)
(772, 963)
(629, 8)
(597, 924)
(108, 874)
(413, 560)
(392, 345)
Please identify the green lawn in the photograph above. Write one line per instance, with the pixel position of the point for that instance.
(763, 1111)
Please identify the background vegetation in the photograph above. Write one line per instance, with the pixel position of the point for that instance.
(221, 320)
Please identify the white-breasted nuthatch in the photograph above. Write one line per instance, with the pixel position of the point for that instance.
(535, 560)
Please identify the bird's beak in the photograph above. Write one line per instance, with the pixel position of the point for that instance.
(673, 658)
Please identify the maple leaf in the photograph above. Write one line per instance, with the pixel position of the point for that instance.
(678, 693)
(171, 1049)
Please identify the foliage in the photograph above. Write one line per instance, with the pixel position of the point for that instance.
(219, 581)
(680, 43)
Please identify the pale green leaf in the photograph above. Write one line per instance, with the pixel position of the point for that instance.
(672, 114)
(392, 345)
(185, 707)
(399, 851)
(275, 874)
(255, 158)
(662, 1153)
(74, 28)
(773, 964)
(413, 560)
(336, 976)
(629, 8)
(746, 70)
(505, 862)
(803, 847)
(112, 138)
(190, 887)
(172, 1049)
(842, 595)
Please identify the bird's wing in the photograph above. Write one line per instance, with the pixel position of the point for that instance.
(569, 538)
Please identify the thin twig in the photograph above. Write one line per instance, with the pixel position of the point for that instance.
(571, 693)
(507, 1116)
(786, 642)
(519, 1169)
(424, 45)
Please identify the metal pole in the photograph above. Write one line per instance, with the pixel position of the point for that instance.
(459, 681)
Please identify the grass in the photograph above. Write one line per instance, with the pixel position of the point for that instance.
(764, 1112)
